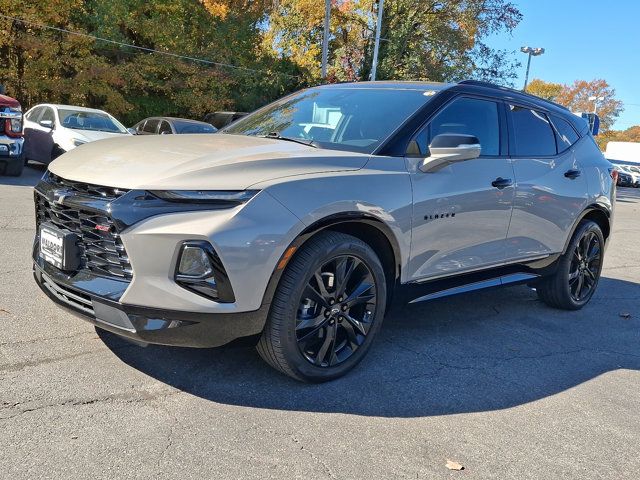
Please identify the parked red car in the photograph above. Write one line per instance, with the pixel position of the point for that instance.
(11, 139)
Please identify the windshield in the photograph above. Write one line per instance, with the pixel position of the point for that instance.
(83, 120)
(352, 119)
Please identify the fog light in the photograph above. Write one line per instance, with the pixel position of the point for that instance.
(195, 270)
(194, 262)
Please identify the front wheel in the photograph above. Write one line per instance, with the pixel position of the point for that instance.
(578, 273)
(327, 309)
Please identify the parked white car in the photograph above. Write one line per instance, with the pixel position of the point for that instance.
(50, 130)
(633, 171)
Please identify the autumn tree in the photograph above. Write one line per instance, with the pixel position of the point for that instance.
(435, 40)
(546, 90)
(576, 98)
(43, 65)
(259, 50)
(443, 40)
(631, 134)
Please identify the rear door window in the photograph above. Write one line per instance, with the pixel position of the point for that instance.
(532, 133)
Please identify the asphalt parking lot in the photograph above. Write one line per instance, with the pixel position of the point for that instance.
(494, 380)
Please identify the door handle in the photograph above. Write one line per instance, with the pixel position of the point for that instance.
(501, 183)
(572, 174)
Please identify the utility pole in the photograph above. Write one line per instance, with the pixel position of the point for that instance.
(376, 47)
(325, 39)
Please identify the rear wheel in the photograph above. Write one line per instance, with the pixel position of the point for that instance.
(576, 279)
(327, 309)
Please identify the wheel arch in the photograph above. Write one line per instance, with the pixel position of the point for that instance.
(365, 227)
(596, 213)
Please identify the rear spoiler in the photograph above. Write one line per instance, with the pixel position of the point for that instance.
(593, 121)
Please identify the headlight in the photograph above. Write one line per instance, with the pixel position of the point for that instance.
(77, 142)
(199, 269)
(220, 197)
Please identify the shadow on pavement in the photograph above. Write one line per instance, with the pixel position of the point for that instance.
(475, 352)
(627, 194)
(29, 178)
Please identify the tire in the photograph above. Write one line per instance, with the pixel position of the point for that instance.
(576, 278)
(15, 168)
(303, 322)
(56, 151)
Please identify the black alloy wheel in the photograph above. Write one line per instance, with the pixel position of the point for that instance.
(585, 266)
(327, 309)
(578, 270)
(336, 311)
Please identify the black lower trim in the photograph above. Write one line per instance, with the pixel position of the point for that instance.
(150, 325)
(441, 287)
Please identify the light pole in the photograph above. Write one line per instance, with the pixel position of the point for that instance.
(532, 52)
(376, 45)
(595, 100)
(325, 38)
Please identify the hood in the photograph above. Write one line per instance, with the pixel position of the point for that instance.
(196, 162)
(9, 102)
(93, 135)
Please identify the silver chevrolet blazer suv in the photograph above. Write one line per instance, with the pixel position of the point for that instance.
(300, 225)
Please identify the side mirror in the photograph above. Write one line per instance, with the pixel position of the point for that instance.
(132, 131)
(448, 148)
(46, 124)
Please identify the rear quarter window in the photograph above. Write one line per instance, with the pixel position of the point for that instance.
(565, 133)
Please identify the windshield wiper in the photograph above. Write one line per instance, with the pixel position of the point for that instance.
(277, 136)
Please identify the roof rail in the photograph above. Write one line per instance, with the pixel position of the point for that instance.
(480, 83)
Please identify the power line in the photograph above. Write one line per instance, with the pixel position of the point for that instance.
(145, 49)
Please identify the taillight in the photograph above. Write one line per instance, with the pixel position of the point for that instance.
(614, 174)
(13, 127)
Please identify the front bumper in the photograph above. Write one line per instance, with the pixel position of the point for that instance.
(10, 150)
(94, 299)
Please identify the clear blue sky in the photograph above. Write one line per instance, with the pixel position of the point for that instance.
(583, 40)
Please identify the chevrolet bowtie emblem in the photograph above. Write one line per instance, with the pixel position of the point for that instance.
(58, 196)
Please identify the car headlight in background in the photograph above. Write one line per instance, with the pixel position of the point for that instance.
(199, 269)
(77, 142)
(216, 197)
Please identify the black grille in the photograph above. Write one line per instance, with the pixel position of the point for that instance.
(87, 189)
(101, 249)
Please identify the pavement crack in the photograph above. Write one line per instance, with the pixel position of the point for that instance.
(46, 339)
(143, 396)
(35, 363)
(318, 460)
(170, 435)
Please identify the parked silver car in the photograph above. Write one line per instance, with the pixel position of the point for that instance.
(303, 222)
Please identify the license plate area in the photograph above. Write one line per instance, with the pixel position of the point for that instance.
(59, 247)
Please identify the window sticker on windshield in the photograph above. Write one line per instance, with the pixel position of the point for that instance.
(429, 93)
